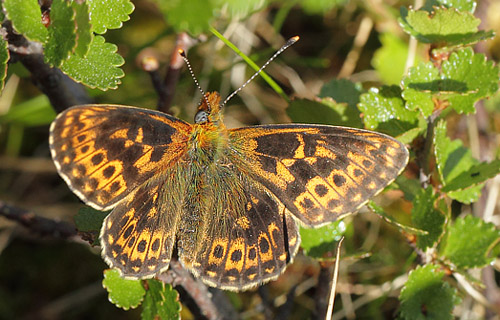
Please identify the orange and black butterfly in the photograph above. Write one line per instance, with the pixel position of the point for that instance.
(229, 200)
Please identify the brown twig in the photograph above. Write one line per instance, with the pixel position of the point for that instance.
(365, 27)
(266, 304)
(201, 302)
(285, 311)
(166, 90)
(37, 224)
(25, 164)
(323, 290)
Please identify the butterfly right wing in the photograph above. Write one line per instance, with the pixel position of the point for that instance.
(104, 152)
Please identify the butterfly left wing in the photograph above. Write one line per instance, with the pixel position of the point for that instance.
(104, 152)
(320, 173)
(139, 235)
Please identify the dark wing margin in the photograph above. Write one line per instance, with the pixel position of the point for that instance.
(320, 173)
(103, 152)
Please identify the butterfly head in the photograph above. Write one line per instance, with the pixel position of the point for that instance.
(209, 110)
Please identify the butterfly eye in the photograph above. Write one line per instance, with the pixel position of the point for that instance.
(201, 116)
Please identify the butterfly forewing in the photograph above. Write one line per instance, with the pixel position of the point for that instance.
(105, 152)
(319, 172)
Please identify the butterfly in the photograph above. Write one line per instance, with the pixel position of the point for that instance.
(227, 201)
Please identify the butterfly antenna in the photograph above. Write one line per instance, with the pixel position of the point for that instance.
(184, 57)
(283, 48)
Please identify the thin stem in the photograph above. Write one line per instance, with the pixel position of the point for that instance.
(252, 64)
(36, 223)
(331, 300)
(424, 156)
(360, 40)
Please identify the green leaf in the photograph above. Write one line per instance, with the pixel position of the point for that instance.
(380, 212)
(123, 293)
(465, 78)
(410, 187)
(418, 86)
(88, 219)
(426, 296)
(238, 9)
(31, 113)
(443, 27)
(26, 18)
(470, 241)
(183, 17)
(477, 77)
(109, 14)
(453, 160)
(342, 91)
(4, 58)
(62, 33)
(320, 6)
(99, 69)
(84, 34)
(324, 111)
(89, 222)
(161, 302)
(461, 5)
(475, 175)
(384, 110)
(390, 60)
(410, 135)
(319, 241)
(426, 216)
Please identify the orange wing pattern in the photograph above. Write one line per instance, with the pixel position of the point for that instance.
(105, 152)
(320, 173)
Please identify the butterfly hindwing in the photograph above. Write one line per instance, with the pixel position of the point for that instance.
(319, 172)
(139, 235)
(245, 249)
(105, 152)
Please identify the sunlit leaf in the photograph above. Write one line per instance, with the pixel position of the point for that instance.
(123, 293)
(26, 18)
(62, 34)
(316, 242)
(323, 111)
(426, 296)
(469, 242)
(161, 302)
(384, 110)
(426, 216)
(109, 14)
(99, 69)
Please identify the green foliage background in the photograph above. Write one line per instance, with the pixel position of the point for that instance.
(425, 245)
